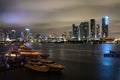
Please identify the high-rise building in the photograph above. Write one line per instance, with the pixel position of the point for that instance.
(97, 31)
(105, 22)
(75, 30)
(13, 35)
(92, 28)
(84, 31)
(70, 35)
(1, 34)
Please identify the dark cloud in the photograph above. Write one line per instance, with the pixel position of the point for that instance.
(5, 5)
(57, 15)
(114, 10)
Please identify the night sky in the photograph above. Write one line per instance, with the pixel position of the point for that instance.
(57, 16)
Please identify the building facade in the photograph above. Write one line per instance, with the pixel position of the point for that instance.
(92, 28)
(105, 22)
(84, 31)
(97, 31)
(75, 31)
(1, 34)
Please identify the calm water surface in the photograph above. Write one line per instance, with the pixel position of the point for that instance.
(81, 61)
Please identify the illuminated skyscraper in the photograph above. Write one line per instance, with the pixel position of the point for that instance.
(84, 30)
(75, 30)
(97, 31)
(105, 22)
(1, 34)
(13, 35)
(92, 28)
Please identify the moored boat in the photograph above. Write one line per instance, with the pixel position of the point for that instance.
(51, 64)
(36, 65)
(31, 59)
(46, 60)
(43, 65)
(55, 66)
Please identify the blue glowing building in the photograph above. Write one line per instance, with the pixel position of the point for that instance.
(105, 22)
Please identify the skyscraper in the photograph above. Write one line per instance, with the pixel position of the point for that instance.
(97, 31)
(75, 31)
(1, 34)
(92, 28)
(84, 30)
(105, 22)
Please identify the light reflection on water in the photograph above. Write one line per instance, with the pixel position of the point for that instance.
(50, 51)
(107, 61)
(106, 48)
(108, 68)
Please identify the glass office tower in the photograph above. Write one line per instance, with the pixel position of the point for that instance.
(105, 22)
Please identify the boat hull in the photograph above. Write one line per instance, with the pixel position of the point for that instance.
(41, 68)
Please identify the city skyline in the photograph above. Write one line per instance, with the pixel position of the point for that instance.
(47, 16)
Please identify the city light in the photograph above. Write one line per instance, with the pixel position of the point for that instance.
(106, 20)
(27, 29)
(13, 30)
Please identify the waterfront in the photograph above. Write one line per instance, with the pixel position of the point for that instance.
(81, 61)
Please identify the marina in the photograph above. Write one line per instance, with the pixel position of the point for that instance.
(24, 56)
